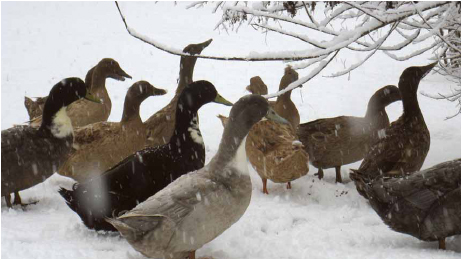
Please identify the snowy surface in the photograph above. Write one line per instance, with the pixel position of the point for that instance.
(45, 42)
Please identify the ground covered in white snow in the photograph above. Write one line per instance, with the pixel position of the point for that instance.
(45, 42)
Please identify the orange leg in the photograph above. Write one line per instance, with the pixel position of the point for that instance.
(192, 255)
(265, 191)
(442, 243)
(289, 186)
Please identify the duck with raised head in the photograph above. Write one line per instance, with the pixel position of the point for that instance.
(83, 112)
(333, 142)
(31, 155)
(102, 145)
(424, 204)
(147, 171)
(284, 105)
(403, 146)
(199, 206)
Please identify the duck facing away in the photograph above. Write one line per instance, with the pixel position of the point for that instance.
(102, 145)
(404, 145)
(83, 112)
(199, 206)
(31, 155)
(424, 204)
(147, 171)
(333, 142)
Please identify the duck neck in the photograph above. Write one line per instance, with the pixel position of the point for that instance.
(409, 99)
(186, 73)
(376, 112)
(56, 122)
(186, 128)
(131, 111)
(284, 97)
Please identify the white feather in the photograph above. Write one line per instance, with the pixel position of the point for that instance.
(61, 125)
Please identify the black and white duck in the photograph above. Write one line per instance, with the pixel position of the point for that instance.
(31, 155)
(102, 145)
(333, 142)
(198, 207)
(83, 112)
(424, 204)
(147, 171)
(403, 146)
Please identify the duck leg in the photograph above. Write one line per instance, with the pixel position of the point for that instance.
(289, 186)
(338, 176)
(192, 255)
(8, 201)
(442, 243)
(265, 191)
(320, 173)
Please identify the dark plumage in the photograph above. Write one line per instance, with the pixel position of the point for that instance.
(423, 204)
(31, 155)
(405, 143)
(146, 172)
(333, 142)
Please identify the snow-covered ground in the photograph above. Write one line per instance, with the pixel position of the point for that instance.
(45, 42)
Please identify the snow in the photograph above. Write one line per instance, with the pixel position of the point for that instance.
(43, 43)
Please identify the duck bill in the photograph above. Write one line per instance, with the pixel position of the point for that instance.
(92, 98)
(273, 116)
(120, 75)
(426, 69)
(221, 100)
(159, 92)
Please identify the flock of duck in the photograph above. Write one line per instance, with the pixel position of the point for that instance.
(149, 180)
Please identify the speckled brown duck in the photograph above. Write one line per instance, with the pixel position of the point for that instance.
(84, 112)
(102, 145)
(333, 142)
(424, 204)
(160, 126)
(284, 106)
(31, 155)
(403, 146)
(273, 149)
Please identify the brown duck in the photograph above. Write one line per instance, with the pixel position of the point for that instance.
(272, 148)
(102, 145)
(160, 126)
(424, 204)
(84, 112)
(333, 142)
(404, 145)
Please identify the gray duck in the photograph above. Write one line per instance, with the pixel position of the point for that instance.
(31, 155)
(424, 204)
(404, 145)
(333, 142)
(102, 145)
(84, 112)
(201, 205)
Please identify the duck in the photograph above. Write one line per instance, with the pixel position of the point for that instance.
(149, 170)
(333, 142)
(403, 146)
(273, 149)
(84, 112)
(199, 206)
(160, 126)
(31, 155)
(102, 145)
(424, 204)
(284, 105)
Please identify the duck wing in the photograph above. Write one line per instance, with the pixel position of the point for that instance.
(94, 133)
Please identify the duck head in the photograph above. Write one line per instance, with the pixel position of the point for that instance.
(111, 69)
(410, 78)
(136, 94)
(384, 97)
(290, 75)
(62, 95)
(197, 94)
(257, 86)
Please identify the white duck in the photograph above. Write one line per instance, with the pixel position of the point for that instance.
(199, 206)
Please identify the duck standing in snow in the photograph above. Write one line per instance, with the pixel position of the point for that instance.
(83, 112)
(147, 171)
(102, 145)
(404, 145)
(198, 207)
(31, 155)
(424, 204)
(333, 142)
